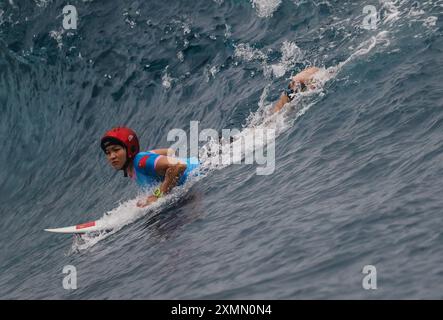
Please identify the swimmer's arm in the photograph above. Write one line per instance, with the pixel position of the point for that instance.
(305, 75)
(165, 152)
(281, 102)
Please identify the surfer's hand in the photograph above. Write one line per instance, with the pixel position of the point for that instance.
(142, 203)
(146, 202)
(152, 199)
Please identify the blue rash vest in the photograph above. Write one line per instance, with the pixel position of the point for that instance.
(144, 167)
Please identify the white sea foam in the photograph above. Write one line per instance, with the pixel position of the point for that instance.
(42, 3)
(265, 8)
(430, 22)
(398, 11)
(58, 37)
(166, 79)
(245, 52)
(291, 54)
(126, 213)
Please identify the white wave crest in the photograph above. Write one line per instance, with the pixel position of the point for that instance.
(265, 8)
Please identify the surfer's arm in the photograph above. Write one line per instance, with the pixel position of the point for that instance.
(164, 152)
(172, 175)
(172, 169)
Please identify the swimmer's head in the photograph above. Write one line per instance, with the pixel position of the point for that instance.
(297, 86)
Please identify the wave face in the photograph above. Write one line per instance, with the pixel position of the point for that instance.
(358, 161)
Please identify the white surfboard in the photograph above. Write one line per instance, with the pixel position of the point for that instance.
(80, 228)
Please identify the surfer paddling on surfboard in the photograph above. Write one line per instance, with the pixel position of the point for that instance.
(300, 83)
(156, 166)
(149, 168)
(159, 166)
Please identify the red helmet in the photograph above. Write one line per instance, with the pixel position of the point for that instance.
(124, 137)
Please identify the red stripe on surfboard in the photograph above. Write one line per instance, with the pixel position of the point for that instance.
(85, 225)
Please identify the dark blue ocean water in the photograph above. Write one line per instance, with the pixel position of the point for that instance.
(358, 162)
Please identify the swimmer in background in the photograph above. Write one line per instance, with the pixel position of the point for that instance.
(301, 82)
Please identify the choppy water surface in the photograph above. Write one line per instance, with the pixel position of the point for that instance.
(358, 162)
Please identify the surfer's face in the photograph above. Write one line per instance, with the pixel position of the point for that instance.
(116, 156)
